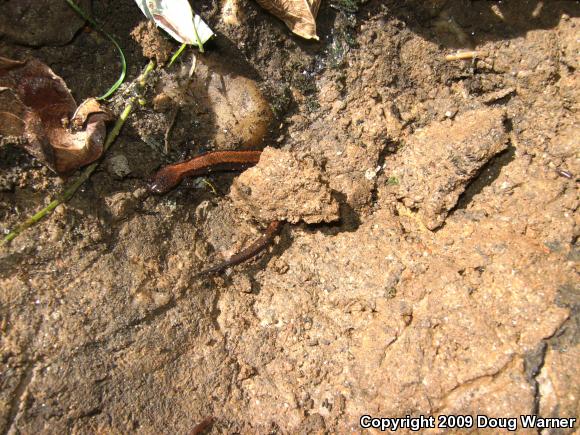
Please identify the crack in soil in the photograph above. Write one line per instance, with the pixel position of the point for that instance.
(467, 384)
(533, 363)
(19, 399)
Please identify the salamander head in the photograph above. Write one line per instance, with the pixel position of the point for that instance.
(164, 180)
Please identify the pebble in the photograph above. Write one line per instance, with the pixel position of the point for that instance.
(118, 166)
(120, 205)
(370, 174)
(242, 283)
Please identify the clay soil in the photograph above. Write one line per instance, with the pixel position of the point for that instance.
(435, 273)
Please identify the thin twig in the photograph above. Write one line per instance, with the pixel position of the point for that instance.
(464, 55)
(210, 185)
(87, 172)
(167, 136)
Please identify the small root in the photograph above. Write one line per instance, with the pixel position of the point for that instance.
(167, 136)
(465, 55)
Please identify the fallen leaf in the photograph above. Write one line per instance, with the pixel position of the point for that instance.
(36, 104)
(299, 15)
(11, 113)
(177, 19)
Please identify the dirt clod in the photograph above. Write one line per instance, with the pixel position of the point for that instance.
(284, 187)
(437, 162)
(152, 42)
(118, 166)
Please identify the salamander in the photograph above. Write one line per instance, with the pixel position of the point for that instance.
(169, 177)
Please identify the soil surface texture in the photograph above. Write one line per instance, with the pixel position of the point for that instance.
(424, 157)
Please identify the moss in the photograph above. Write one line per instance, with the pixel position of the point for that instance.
(281, 102)
(312, 104)
(393, 181)
(344, 37)
(347, 6)
(305, 84)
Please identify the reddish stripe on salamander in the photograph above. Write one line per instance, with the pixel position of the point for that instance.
(170, 176)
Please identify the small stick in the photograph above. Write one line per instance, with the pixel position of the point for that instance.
(564, 173)
(210, 185)
(87, 172)
(464, 55)
(167, 136)
(538, 9)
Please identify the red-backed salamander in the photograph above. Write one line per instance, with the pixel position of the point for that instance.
(170, 176)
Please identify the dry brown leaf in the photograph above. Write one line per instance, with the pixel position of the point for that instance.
(11, 113)
(299, 15)
(36, 104)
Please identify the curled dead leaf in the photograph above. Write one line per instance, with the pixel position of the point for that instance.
(299, 15)
(36, 104)
(11, 113)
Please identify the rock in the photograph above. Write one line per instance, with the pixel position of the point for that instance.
(242, 283)
(219, 106)
(232, 15)
(283, 187)
(118, 166)
(440, 160)
(121, 204)
(348, 171)
(507, 394)
(234, 104)
(558, 383)
(41, 22)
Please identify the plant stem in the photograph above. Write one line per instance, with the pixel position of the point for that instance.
(177, 54)
(87, 172)
(199, 43)
(93, 23)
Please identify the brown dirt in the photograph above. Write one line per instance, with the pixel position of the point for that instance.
(448, 286)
